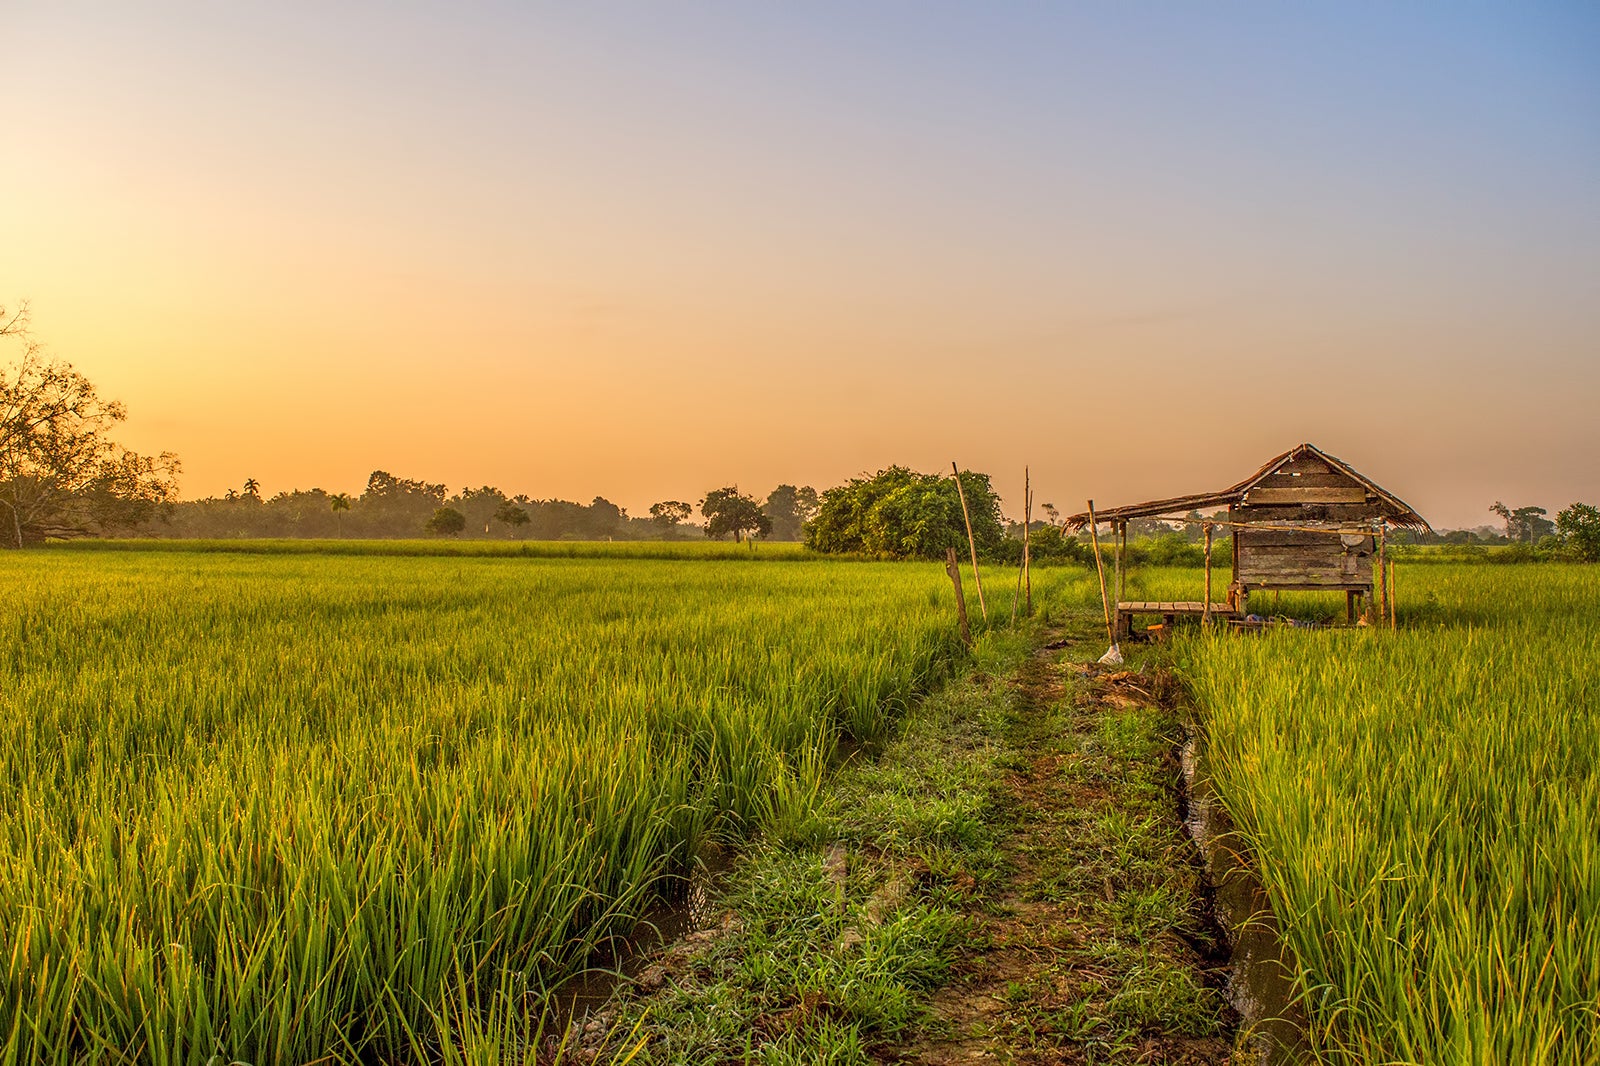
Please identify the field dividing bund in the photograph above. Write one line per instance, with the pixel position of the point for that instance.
(1424, 809)
(284, 808)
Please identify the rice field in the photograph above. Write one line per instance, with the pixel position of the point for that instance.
(1424, 809)
(339, 808)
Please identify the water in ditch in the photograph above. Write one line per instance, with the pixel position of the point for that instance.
(1261, 983)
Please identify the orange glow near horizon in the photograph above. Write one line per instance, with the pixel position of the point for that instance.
(645, 257)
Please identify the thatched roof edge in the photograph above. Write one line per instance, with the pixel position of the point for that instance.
(1404, 514)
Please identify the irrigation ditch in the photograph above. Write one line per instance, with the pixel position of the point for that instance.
(1261, 986)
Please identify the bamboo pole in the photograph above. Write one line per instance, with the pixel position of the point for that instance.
(1205, 611)
(1393, 597)
(1016, 594)
(1027, 534)
(1122, 561)
(972, 544)
(1099, 567)
(1383, 568)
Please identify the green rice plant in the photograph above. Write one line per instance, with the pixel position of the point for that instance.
(1422, 807)
(290, 807)
(763, 551)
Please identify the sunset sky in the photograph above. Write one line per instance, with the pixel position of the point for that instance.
(645, 250)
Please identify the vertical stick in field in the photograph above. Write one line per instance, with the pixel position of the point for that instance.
(972, 545)
(1016, 595)
(1383, 568)
(952, 566)
(1099, 568)
(1393, 597)
(1119, 540)
(1027, 524)
(1205, 610)
(1022, 568)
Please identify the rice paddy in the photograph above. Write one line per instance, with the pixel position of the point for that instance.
(1422, 808)
(371, 803)
(285, 808)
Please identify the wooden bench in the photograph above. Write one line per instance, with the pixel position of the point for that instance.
(1169, 610)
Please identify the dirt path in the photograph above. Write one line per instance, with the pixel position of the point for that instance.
(1097, 946)
(1008, 882)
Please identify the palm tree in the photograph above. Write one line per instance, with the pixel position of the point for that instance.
(340, 504)
(252, 488)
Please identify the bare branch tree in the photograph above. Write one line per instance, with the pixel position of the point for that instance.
(60, 473)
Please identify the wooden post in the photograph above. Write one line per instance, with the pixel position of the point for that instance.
(1205, 611)
(1099, 567)
(1383, 568)
(1393, 605)
(1027, 534)
(1022, 568)
(1240, 600)
(1127, 561)
(1016, 595)
(1118, 585)
(972, 544)
(952, 566)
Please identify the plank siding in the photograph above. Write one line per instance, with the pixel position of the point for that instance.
(1282, 480)
(1268, 496)
(1339, 513)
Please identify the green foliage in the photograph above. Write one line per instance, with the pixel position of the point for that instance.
(61, 475)
(790, 508)
(1422, 805)
(1524, 525)
(287, 808)
(447, 521)
(899, 514)
(727, 510)
(1579, 528)
(1170, 549)
(669, 513)
(511, 515)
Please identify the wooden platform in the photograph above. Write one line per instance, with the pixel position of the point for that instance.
(1168, 609)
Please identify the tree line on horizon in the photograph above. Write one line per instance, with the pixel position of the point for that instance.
(397, 507)
(62, 476)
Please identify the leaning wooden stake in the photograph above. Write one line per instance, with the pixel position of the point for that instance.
(952, 566)
(972, 544)
(1016, 595)
(1105, 602)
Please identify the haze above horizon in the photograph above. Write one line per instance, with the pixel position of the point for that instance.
(641, 251)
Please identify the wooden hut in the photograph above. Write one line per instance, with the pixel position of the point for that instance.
(1305, 520)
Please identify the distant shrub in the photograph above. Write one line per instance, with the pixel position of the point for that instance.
(1169, 549)
(1578, 527)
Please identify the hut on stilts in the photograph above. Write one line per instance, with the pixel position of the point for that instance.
(1305, 520)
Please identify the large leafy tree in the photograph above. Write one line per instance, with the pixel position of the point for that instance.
(667, 514)
(512, 515)
(790, 508)
(727, 510)
(61, 474)
(901, 514)
(446, 521)
(1579, 528)
(1524, 524)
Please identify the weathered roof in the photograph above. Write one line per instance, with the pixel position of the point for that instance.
(1396, 510)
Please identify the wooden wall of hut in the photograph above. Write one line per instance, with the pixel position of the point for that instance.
(1306, 493)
